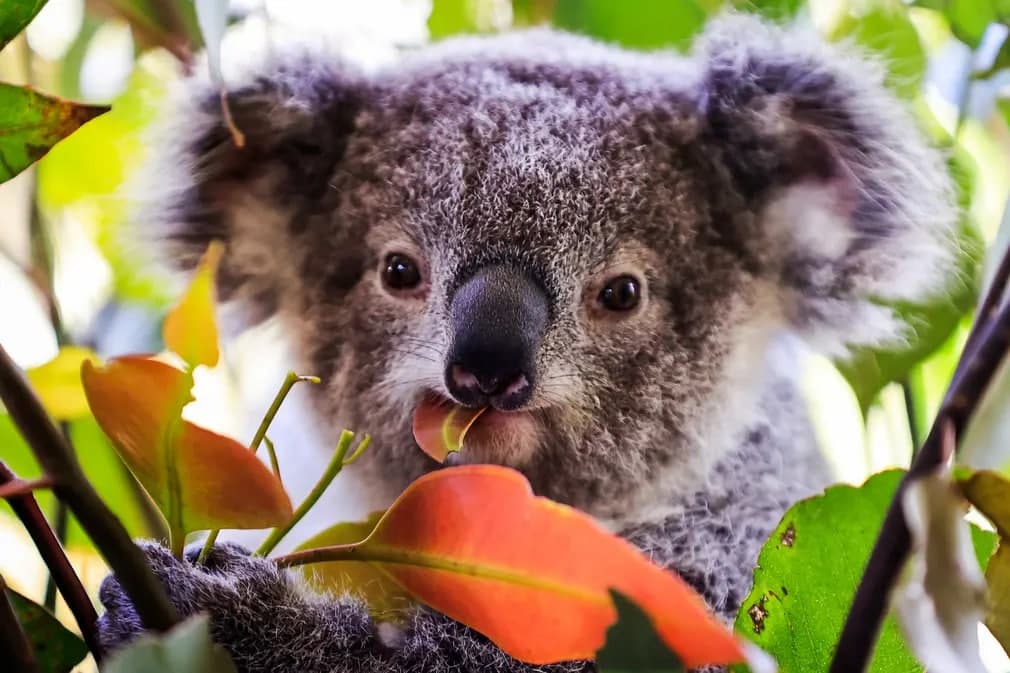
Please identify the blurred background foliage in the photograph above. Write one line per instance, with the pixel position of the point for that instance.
(71, 273)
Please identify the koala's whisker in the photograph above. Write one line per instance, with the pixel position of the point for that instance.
(414, 353)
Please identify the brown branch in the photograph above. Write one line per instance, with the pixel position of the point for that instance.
(72, 487)
(15, 649)
(24, 486)
(62, 573)
(989, 341)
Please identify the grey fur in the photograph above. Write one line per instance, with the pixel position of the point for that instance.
(767, 182)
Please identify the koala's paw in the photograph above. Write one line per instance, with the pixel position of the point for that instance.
(227, 572)
(259, 613)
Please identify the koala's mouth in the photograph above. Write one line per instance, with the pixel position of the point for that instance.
(452, 433)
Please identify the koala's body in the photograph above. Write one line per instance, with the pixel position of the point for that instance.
(600, 246)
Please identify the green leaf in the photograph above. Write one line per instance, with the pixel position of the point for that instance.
(969, 19)
(56, 648)
(997, 578)
(452, 17)
(632, 644)
(807, 575)
(887, 31)
(643, 24)
(31, 123)
(773, 9)
(187, 648)
(15, 15)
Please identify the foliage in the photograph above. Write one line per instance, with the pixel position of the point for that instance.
(56, 648)
(810, 567)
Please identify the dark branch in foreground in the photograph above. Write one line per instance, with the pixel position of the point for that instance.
(62, 573)
(986, 348)
(72, 487)
(14, 646)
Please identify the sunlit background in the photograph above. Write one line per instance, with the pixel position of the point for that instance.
(69, 272)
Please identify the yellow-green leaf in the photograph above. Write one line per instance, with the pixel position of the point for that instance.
(199, 479)
(190, 328)
(15, 15)
(58, 383)
(385, 598)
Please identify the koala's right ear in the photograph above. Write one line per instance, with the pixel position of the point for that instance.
(198, 186)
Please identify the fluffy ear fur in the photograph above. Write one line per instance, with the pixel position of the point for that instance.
(852, 205)
(296, 114)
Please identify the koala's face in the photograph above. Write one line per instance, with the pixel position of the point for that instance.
(593, 245)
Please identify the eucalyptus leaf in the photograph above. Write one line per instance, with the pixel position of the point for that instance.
(57, 649)
(31, 123)
(632, 644)
(15, 15)
(187, 648)
(644, 24)
(807, 575)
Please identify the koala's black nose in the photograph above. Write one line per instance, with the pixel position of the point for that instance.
(498, 320)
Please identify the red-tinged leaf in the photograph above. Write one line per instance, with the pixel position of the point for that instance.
(532, 575)
(31, 123)
(224, 485)
(440, 427)
(198, 479)
(190, 329)
(138, 403)
(385, 598)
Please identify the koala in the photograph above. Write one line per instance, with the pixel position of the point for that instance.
(612, 251)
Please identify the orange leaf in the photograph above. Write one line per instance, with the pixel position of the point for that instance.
(532, 575)
(385, 598)
(199, 479)
(190, 328)
(440, 426)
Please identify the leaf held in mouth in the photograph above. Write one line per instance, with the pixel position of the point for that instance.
(440, 427)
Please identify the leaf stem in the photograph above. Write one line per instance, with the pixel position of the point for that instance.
(334, 467)
(14, 645)
(71, 486)
(272, 452)
(66, 580)
(987, 346)
(289, 381)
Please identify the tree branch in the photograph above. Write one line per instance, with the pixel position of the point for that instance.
(51, 551)
(14, 645)
(72, 487)
(987, 347)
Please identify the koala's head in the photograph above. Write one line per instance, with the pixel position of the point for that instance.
(595, 244)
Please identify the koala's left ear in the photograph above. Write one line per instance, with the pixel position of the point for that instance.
(297, 111)
(849, 204)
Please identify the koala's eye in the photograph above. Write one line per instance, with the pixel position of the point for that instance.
(621, 294)
(400, 272)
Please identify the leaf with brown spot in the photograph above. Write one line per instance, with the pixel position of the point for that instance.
(31, 123)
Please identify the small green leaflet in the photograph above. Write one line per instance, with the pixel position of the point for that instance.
(57, 649)
(632, 645)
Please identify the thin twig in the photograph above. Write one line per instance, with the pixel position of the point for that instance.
(66, 580)
(289, 381)
(334, 467)
(24, 486)
(72, 487)
(978, 366)
(15, 648)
